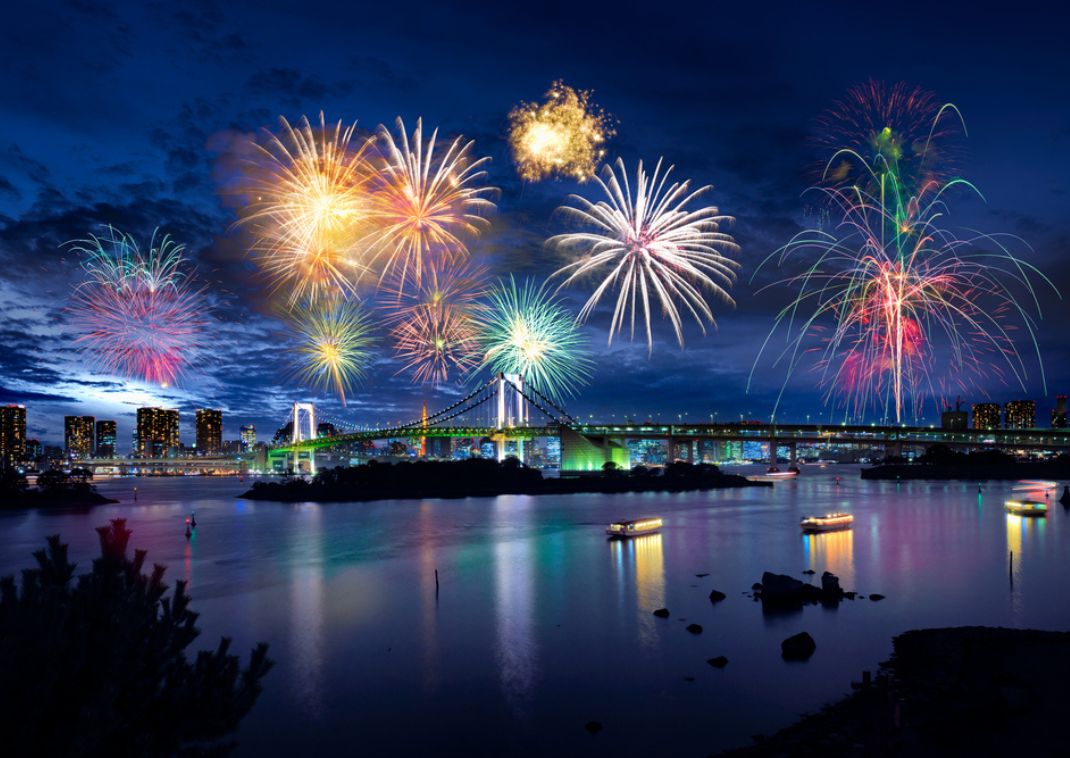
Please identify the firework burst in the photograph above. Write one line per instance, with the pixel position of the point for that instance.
(878, 128)
(901, 307)
(649, 243)
(335, 338)
(562, 136)
(435, 322)
(426, 202)
(527, 331)
(139, 312)
(308, 206)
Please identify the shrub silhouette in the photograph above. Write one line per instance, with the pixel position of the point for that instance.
(97, 666)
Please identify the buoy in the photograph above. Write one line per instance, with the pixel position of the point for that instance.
(193, 521)
(188, 530)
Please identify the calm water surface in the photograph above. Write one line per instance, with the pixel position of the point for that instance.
(540, 625)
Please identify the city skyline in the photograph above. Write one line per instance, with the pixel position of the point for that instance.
(168, 160)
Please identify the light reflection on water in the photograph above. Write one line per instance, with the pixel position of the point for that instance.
(540, 624)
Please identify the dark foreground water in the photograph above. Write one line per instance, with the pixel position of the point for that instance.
(540, 625)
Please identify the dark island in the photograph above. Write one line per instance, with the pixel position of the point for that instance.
(941, 462)
(961, 691)
(54, 489)
(479, 477)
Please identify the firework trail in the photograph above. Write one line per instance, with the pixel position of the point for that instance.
(900, 306)
(649, 243)
(435, 323)
(527, 331)
(425, 202)
(333, 352)
(139, 312)
(308, 205)
(562, 136)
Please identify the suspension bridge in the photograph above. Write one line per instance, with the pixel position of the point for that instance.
(501, 411)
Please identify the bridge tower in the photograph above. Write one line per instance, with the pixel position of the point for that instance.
(308, 412)
(511, 414)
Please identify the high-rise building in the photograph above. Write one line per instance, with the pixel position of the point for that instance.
(78, 436)
(248, 438)
(1058, 413)
(12, 435)
(105, 439)
(157, 433)
(986, 415)
(209, 431)
(33, 451)
(1020, 414)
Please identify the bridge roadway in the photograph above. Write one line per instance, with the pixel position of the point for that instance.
(784, 434)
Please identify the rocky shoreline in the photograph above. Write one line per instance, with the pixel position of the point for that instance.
(954, 691)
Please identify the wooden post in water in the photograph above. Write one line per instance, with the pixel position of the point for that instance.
(1010, 567)
(436, 582)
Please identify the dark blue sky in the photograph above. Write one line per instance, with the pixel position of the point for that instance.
(128, 114)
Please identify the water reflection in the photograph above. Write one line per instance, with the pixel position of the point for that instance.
(514, 602)
(429, 594)
(307, 596)
(832, 551)
(1024, 534)
(641, 564)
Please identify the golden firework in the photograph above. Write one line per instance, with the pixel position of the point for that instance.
(308, 202)
(562, 136)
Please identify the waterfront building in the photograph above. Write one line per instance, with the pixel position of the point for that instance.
(157, 433)
(78, 436)
(1058, 413)
(12, 435)
(986, 415)
(954, 420)
(1020, 414)
(209, 431)
(105, 447)
(248, 437)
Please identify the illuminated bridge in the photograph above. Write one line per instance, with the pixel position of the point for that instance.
(586, 446)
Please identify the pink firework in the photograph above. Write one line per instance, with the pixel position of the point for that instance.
(139, 314)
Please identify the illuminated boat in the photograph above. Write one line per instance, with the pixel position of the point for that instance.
(774, 476)
(1026, 507)
(635, 528)
(830, 522)
(1034, 485)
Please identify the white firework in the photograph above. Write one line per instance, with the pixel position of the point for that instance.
(649, 243)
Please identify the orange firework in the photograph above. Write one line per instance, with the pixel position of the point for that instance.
(425, 203)
(308, 203)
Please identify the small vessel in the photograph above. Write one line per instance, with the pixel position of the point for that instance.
(774, 476)
(1026, 507)
(830, 522)
(636, 528)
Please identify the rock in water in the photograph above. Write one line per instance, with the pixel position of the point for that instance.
(719, 662)
(662, 613)
(809, 572)
(594, 727)
(876, 596)
(694, 628)
(830, 588)
(798, 647)
(717, 596)
(787, 591)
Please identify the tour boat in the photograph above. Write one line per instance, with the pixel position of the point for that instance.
(1026, 507)
(635, 528)
(830, 522)
(774, 476)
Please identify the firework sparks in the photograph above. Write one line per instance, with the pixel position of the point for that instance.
(526, 331)
(139, 313)
(435, 333)
(881, 128)
(895, 285)
(562, 136)
(334, 345)
(425, 202)
(650, 243)
(308, 202)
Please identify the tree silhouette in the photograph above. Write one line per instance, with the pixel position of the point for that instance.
(97, 665)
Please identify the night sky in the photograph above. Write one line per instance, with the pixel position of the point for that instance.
(133, 115)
